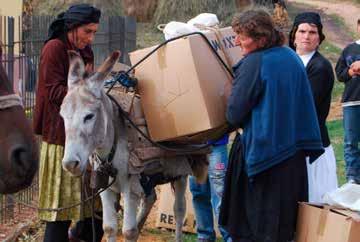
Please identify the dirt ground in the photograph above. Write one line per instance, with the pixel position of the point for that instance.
(347, 10)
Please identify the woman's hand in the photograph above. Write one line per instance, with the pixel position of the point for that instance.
(354, 68)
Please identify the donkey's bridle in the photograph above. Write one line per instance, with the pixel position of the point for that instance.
(10, 100)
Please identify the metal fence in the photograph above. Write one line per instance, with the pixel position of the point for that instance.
(22, 40)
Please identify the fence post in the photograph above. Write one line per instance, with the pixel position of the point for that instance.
(130, 37)
(120, 21)
(9, 206)
(10, 53)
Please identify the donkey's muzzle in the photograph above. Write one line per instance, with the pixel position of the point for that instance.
(73, 167)
(20, 157)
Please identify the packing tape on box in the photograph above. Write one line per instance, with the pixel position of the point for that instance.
(322, 221)
(162, 57)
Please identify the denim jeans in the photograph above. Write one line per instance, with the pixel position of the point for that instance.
(351, 142)
(207, 196)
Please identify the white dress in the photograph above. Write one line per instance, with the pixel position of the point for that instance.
(322, 177)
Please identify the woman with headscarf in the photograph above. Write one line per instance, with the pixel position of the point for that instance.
(305, 38)
(73, 29)
(271, 101)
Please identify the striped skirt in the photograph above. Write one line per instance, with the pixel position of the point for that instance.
(57, 188)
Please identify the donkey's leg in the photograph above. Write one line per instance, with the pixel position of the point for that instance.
(110, 220)
(131, 203)
(179, 206)
(146, 205)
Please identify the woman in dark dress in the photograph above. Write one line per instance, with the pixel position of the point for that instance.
(267, 174)
(305, 38)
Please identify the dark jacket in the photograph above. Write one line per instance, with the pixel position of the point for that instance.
(350, 54)
(271, 100)
(52, 88)
(321, 76)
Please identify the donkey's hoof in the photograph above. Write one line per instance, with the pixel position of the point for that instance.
(109, 232)
(131, 234)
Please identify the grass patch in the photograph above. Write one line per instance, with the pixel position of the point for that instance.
(337, 91)
(168, 235)
(336, 133)
(148, 35)
(356, 1)
(331, 51)
(193, 238)
(157, 231)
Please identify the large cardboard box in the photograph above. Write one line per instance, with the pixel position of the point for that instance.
(165, 215)
(325, 224)
(182, 84)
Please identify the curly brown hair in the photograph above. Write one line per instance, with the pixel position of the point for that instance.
(258, 25)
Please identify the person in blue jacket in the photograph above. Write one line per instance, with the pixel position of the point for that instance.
(271, 100)
(207, 197)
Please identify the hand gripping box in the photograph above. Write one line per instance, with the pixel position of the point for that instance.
(182, 84)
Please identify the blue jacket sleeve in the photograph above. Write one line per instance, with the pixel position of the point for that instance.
(246, 90)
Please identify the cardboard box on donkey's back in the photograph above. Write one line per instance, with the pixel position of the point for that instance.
(182, 84)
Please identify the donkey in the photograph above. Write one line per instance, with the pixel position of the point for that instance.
(18, 148)
(93, 125)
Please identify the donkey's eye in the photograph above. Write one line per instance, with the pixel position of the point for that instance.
(88, 117)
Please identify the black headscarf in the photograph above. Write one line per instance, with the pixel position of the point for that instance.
(75, 16)
(309, 18)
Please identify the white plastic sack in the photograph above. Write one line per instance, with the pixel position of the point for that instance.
(347, 196)
(204, 19)
(322, 176)
(174, 29)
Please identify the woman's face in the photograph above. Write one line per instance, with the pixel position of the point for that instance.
(246, 43)
(307, 38)
(83, 35)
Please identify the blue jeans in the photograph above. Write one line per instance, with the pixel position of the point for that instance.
(207, 196)
(351, 142)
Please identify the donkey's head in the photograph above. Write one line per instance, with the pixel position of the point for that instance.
(86, 112)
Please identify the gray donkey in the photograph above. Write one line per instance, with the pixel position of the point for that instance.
(93, 125)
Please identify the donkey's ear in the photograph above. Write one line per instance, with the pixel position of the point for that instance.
(76, 69)
(96, 81)
(108, 64)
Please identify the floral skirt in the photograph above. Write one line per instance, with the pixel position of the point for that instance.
(58, 188)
